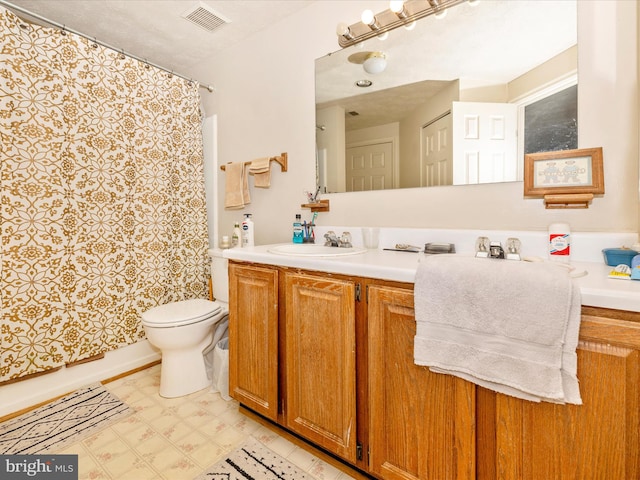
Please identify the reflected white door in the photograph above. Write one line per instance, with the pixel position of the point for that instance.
(369, 167)
(485, 142)
(436, 161)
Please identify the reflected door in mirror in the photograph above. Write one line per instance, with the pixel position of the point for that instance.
(369, 167)
(485, 145)
(437, 161)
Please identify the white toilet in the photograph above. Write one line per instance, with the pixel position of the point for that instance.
(183, 330)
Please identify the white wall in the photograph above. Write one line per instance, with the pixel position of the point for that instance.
(265, 105)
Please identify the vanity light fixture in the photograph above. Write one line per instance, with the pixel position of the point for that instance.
(343, 30)
(369, 19)
(400, 14)
(397, 7)
(439, 12)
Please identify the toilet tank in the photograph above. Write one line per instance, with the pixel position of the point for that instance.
(219, 275)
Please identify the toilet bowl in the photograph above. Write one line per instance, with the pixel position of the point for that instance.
(182, 331)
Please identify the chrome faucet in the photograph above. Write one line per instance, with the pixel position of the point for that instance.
(331, 240)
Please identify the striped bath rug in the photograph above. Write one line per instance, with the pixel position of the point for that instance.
(253, 461)
(69, 419)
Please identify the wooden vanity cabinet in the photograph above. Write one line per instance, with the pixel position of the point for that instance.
(442, 427)
(347, 383)
(599, 439)
(253, 337)
(421, 424)
(320, 361)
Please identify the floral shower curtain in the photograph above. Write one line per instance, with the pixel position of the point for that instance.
(102, 196)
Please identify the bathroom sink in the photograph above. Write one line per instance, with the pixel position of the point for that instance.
(313, 250)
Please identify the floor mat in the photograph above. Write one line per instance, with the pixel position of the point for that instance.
(253, 461)
(67, 420)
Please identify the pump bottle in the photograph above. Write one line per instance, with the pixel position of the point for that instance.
(247, 231)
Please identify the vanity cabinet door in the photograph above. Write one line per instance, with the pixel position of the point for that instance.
(253, 337)
(421, 424)
(320, 365)
(598, 439)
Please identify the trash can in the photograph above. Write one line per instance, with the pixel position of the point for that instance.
(220, 381)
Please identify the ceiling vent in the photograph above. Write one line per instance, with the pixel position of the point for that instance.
(203, 16)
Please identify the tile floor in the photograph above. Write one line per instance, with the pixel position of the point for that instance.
(177, 439)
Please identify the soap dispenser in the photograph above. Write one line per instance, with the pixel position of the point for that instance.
(247, 231)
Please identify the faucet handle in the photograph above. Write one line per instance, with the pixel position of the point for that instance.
(513, 249)
(482, 247)
(345, 239)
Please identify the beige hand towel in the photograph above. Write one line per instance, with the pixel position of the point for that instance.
(236, 186)
(508, 326)
(261, 170)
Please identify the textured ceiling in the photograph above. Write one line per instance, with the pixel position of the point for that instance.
(489, 44)
(154, 30)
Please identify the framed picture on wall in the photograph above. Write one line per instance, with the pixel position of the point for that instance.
(563, 172)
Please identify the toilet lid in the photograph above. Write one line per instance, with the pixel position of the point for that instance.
(181, 313)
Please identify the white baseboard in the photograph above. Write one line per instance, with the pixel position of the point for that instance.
(24, 394)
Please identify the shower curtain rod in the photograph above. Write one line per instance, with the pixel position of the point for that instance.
(64, 28)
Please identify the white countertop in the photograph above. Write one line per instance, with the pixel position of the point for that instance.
(596, 288)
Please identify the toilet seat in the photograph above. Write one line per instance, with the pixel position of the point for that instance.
(177, 314)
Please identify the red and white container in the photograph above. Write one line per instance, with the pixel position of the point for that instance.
(559, 242)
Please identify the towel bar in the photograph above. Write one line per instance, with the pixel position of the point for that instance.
(282, 160)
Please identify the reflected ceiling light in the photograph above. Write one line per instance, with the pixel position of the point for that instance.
(375, 63)
(363, 83)
(410, 26)
(400, 14)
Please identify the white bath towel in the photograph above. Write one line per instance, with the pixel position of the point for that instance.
(260, 168)
(236, 186)
(506, 325)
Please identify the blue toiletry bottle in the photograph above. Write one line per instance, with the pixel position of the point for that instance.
(297, 230)
(635, 268)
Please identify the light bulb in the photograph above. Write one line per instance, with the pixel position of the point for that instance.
(342, 30)
(396, 6)
(367, 17)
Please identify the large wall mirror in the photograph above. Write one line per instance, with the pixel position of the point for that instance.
(460, 100)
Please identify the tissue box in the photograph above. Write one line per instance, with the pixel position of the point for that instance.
(618, 256)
